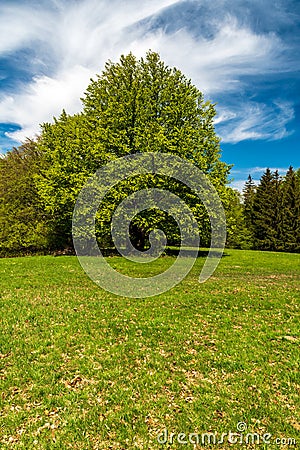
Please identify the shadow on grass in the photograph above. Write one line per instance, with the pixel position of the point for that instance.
(167, 252)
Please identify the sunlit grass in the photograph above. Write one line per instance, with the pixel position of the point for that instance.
(84, 369)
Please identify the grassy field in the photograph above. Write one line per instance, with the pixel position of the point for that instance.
(84, 369)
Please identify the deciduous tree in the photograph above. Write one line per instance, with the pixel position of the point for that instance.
(133, 106)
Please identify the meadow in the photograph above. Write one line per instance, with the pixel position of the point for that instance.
(84, 369)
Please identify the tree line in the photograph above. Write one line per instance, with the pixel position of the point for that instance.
(272, 211)
(135, 105)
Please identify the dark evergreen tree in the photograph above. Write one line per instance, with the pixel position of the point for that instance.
(267, 212)
(290, 212)
(248, 199)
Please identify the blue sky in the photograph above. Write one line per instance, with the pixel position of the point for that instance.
(243, 55)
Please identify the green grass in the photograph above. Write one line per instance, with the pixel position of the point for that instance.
(84, 369)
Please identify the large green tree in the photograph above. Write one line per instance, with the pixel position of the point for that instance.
(133, 106)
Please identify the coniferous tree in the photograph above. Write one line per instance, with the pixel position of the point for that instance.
(290, 212)
(266, 212)
(249, 192)
(277, 208)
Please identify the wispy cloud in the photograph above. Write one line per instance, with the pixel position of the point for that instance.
(218, 63)
(70, 41)
(255, 120)
(281, 170)
(258, 170)
(239, 184)
(42, 99)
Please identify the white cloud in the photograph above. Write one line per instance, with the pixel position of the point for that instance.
(44, 98)
(240, 176)
(77, 39)
(238, 185)
(255, 121)
(281, 170)
(21, 24)
(217, 64)
(257, 170)
(72, 41)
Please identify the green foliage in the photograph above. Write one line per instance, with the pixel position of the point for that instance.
(23, 224)
(143, 105)
(266, 212)
(249, 196)
(136, 106)
(133, 106)
(272, 211)
(238, 232)
(290, 212)
(68, 161)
